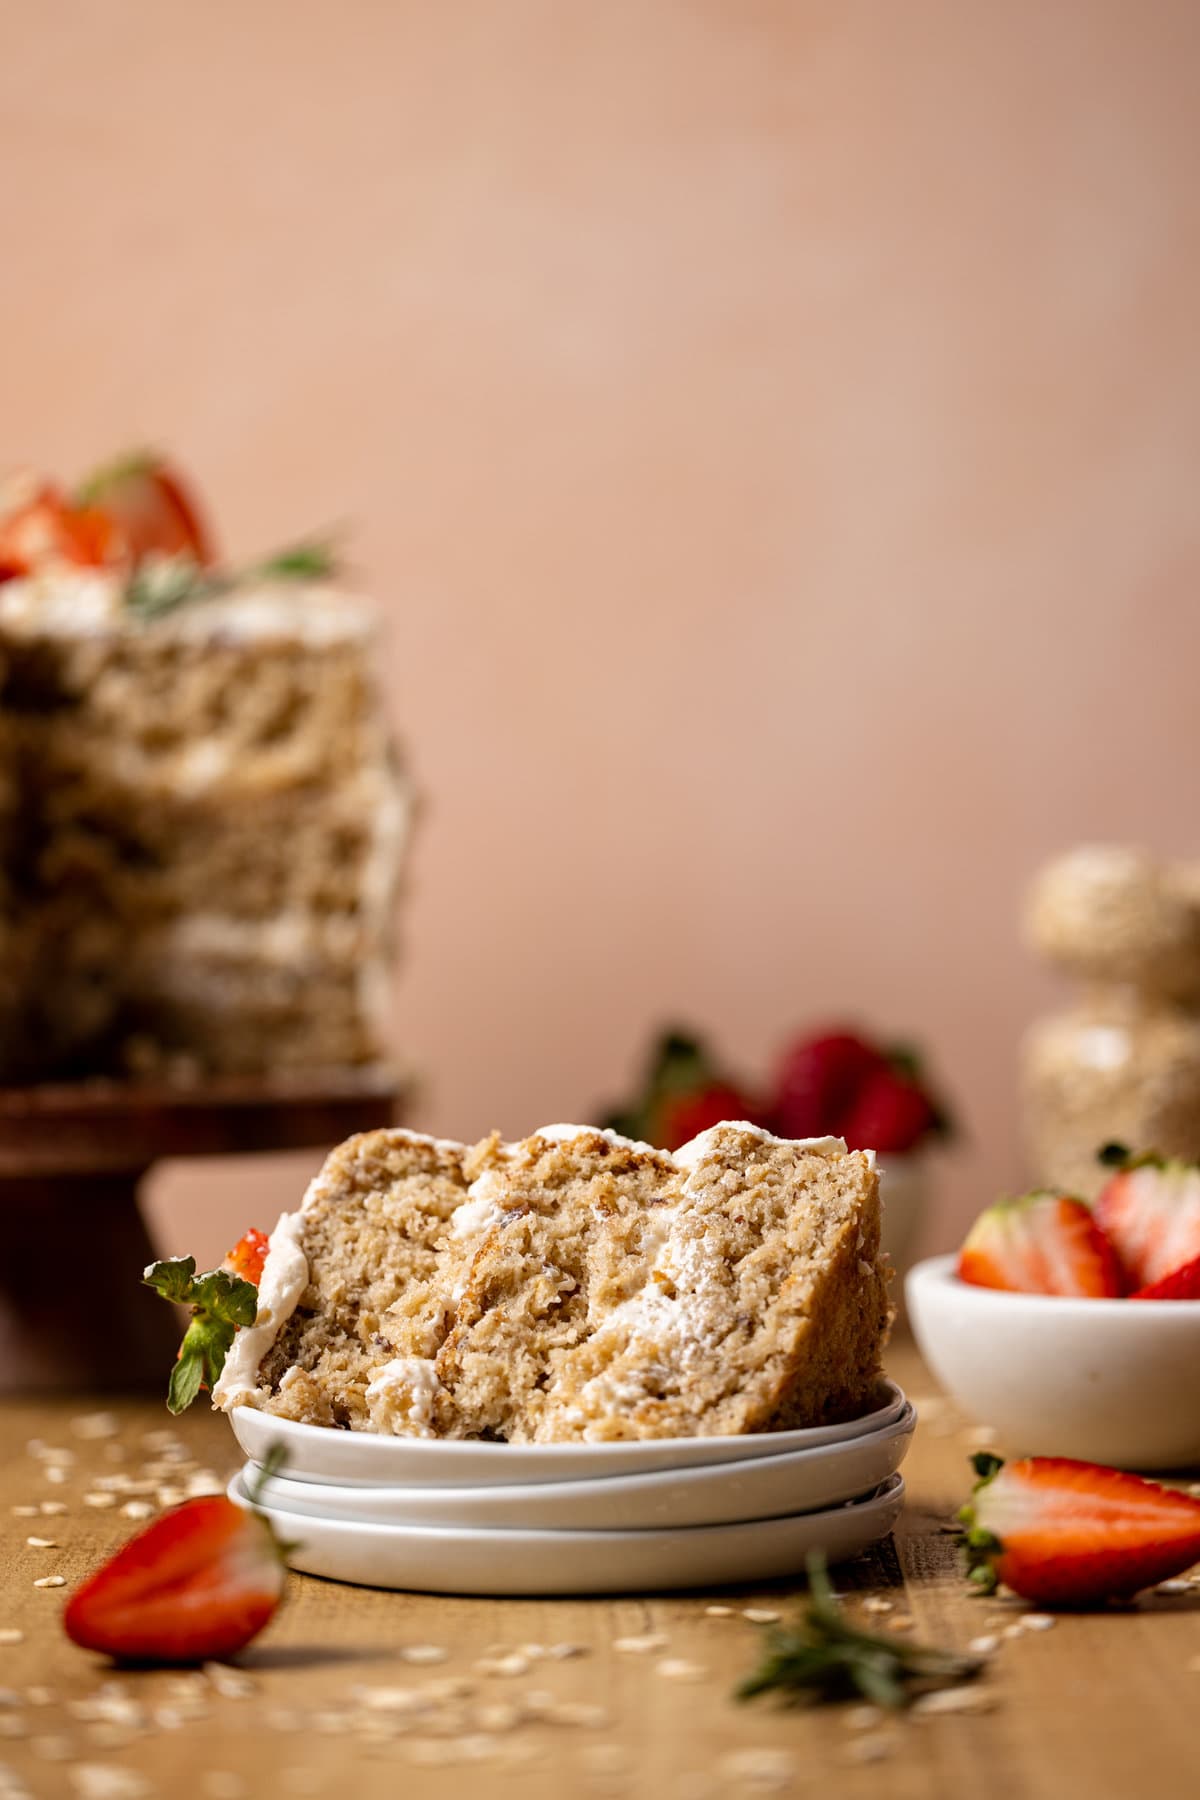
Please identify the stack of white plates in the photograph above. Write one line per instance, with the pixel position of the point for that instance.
(475, 1518)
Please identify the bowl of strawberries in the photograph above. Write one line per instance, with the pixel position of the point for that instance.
(1074, 1329)
(833, 1082)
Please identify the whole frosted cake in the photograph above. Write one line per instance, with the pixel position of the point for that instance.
(573, 1286)
(201, 816)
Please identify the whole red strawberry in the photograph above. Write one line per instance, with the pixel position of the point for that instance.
(682, 1117)
(818, 1080)
(197, 1584)
(890, 1113)
(1065, 1533)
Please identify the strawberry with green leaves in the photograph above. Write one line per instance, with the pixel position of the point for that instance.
(1074, 1534)
(1043, 1243)
(220, 1303)
(1150, 1210)
(683, 1094)
(196, 1584)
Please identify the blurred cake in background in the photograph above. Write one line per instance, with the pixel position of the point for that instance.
(1123, 1062)
(202, 818)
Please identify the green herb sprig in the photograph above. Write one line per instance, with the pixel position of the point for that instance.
(159, 584)
(825, 1658)
(220, 1303)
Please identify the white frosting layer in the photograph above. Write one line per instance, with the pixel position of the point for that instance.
(89, 603)
(400, 1397)
(401, 1394)
(284, 1278)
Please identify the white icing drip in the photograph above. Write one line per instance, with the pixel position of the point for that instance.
(90, 603)
(562, 1134)
(401, 1394)
(284, 1278)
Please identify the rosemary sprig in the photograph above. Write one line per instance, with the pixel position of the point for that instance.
(161, 583)
(824, 1658)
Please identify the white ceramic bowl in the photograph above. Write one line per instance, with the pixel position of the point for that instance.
(445, 1560)
(317, 1453)
(1110, 1381)
(761, 1487)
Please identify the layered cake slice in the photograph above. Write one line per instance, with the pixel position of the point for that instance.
(573, 1286)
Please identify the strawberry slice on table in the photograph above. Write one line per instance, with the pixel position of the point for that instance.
(1150, 1210)
(1180, 1284)
(248, 1255)
(1043, 1243)
(1065, 1533)
(198, 1583)
(149, 505)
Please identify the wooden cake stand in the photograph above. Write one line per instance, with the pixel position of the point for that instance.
(73, 1244)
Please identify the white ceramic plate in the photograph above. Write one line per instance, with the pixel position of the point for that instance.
(318, 1453)
(443, 1560)
(764, 1487)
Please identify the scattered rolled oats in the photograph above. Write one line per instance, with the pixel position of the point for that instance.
(874, 1603)
(423, 1653)
(170, 1496)
(50, 1509)
(136, 1509)
(677, 1668)
(954, 1700)
(501, 1715)
(100, 1499)
(511, 1664)
(1038, 1621)
(231, 1684)
(641, 1646)
(10, 1634)
(984, 1646)
(759, 1768)
(564, 1652)
(874, 1747)
(760, 1615)
(107, 1781)
(40, 1543)
(91, 1426)
(48, 1581)
(24, 1512)
(719, 1612)
(55, 1474)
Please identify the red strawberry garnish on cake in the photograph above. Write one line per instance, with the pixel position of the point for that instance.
(1180, 1284)
(43, 530)
(818, 1080)
(198, 1583)
(1064, 1533)
(891, 1113)
(682, 1117)
(1151, 1211)
(248, 1256)
(1041, 1244)
(149, 505)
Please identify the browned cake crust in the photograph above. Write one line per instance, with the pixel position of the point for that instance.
(578, 1287)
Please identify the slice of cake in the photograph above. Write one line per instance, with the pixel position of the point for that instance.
(573, 1286)
(202, 818)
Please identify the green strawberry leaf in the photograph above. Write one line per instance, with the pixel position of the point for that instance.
(220, 1302)
(172, 1278)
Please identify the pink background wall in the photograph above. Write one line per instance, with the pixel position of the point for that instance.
(771, 428)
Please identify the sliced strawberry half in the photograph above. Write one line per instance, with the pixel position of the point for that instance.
(1150, 1210)
(198, 1583)
(1043, 1243)
(248, 1256)
(1065, 1533)
(42, 530)
(149, 505)
(1180, 1284)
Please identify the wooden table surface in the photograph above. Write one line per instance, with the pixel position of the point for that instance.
(352, 1691)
